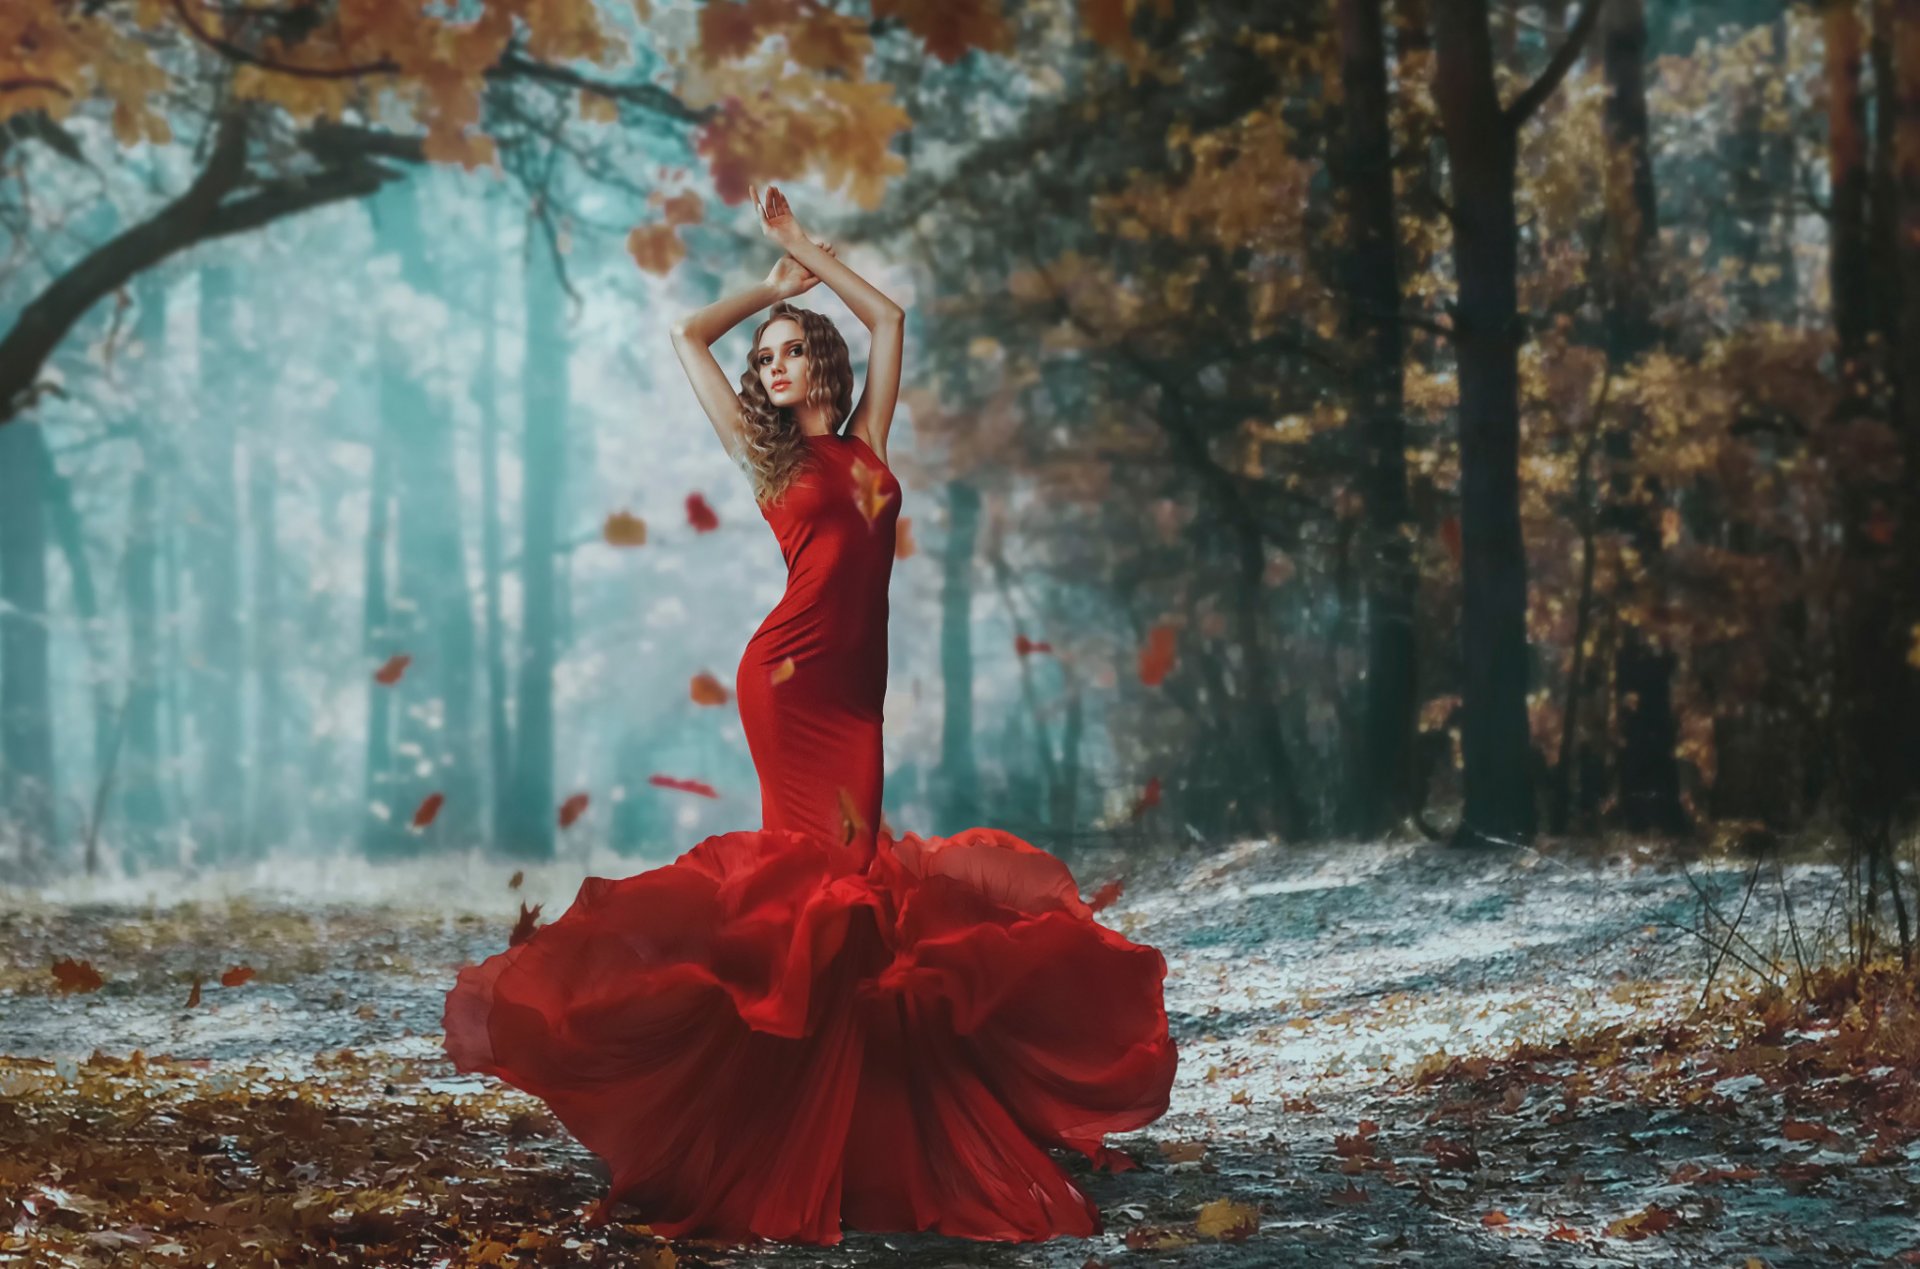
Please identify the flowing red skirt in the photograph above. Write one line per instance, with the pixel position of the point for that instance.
(768, 1038)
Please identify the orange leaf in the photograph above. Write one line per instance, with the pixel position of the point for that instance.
(782, 672)
(707, 690)
(572, 809)
(523, 928)
(238, 976)
(71, 976)
(513, 882)
(1652, 1219)
(868, 495)
(903, 537)
(656, 248)
(623, 529)
(700, 515)
(1563, 1234)
(851, 823)
(390, 673)
(428, 808)
(1494, 1218)
(193, 997)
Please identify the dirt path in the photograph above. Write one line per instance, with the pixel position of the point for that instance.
(1306, 990)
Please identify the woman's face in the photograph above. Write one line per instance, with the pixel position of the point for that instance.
(781, 362)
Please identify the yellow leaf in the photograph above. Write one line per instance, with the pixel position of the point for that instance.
(1227, 1220)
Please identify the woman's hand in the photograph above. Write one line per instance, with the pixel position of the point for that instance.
(777, 220)
(790, 278)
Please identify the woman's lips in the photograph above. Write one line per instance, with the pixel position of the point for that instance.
(780, 383)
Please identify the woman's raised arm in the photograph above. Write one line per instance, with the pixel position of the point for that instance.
(693, 337)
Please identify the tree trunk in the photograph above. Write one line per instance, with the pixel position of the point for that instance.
(1372, 319)
(26, 681)
(1481, 148)
(499, 734)
(432, 614)
(1647, 768)
(220, 644)
(1849, 256)
(543, 455)
(957, 796)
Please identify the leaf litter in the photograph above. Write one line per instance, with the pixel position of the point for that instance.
(1390, 1054)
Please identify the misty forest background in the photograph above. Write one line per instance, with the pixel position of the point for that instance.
(1320, 420)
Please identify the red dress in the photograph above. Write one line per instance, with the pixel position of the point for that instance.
(818, 1023)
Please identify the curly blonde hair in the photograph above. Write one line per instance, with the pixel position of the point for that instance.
(774, 450)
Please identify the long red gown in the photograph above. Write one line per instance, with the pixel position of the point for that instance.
(818, 1025)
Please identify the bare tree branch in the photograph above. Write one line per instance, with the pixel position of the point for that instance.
(1564, 57)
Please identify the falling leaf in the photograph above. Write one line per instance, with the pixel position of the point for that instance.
(572, 809)
(624, 529)
(237, 976)
(71, 976)
(851, 823)
(868, 494)
(782, 672)
(685, 786)
(429, 807)
(1880, 527)
(700, 515)
(903, 538)
(707, 690)
(523, 928)
(1228, 1221)
(513, 882)
(656, 248)
(1148, 799)
(1106, 894)
(193, 997)
(390, 673)
(1023, 645)
(1156, 659)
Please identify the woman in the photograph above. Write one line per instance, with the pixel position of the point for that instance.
(818, 1024)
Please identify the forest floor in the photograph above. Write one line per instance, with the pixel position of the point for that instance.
(1389, 1055)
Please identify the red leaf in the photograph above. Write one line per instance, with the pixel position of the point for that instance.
(686, 786)
(705, 689)
(1024, 645)
(1156, 659)
(1149, 798)
(572, 809)
(193, 997)
(71, 976)
(429, 807)
(523, 929)
(700, 515)
(519, 876)
(1106, 894)
(1353, 1195)
(238, 976)
(396, 665)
